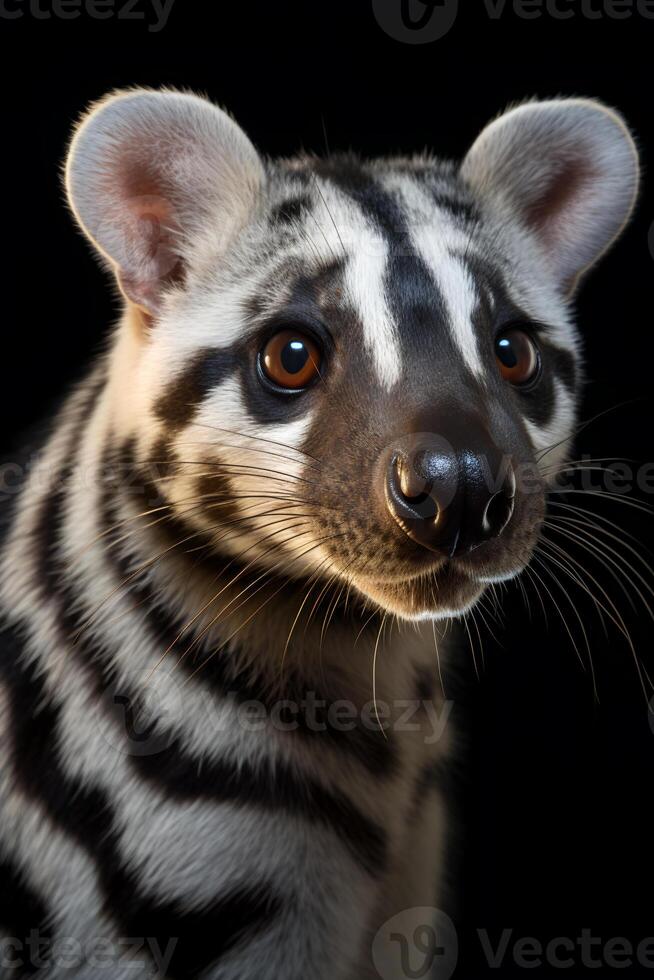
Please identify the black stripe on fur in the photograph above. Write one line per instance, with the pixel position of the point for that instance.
(86, 815)
(365, 746)
(23, 913)
(180, 774)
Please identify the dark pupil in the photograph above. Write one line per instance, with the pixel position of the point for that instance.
(294, 356)
(506, 353)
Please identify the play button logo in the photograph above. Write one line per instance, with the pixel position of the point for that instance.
(417, 944)
(416, 21)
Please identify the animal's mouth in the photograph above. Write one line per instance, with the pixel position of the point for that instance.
(449, 590)
(447, 587)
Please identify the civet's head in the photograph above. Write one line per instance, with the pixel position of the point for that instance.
(357, 369)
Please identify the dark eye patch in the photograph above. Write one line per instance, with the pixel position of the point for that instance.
(183, 395)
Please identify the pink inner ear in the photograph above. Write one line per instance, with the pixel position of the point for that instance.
(568, 186)
(151, 222)
(148, 255)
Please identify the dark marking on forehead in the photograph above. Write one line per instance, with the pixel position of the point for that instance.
(463, 211)
(291, 210)
(207, 369)
(254, 305)
(447, 192)
(350, 176)
(274, 288)
(490, 281)
(409, 285)
(319, 287)
(302, 291)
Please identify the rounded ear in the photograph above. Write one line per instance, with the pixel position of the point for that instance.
(148, 174)
(567, 169)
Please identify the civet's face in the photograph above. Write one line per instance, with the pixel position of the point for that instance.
(360, 370)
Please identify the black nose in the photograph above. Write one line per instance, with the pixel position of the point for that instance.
(449, 499)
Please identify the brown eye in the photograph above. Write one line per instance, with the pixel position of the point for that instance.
(517, 357)
(291, 360)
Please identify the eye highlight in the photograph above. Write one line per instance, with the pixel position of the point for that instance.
(290, 360)
(517, 357)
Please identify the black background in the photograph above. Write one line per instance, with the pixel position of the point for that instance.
(556, 802)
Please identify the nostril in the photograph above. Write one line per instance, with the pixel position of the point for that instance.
(498, 512)
(417, 500)
(410, 484)
(412, 491)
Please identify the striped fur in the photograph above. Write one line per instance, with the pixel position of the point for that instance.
(197, 577)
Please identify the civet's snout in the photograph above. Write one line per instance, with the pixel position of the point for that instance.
(450, 492)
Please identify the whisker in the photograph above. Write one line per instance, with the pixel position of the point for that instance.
(258, 610)
(585, 425)
(331, 218)
(529, 573)
(150, 562)
(584, 512)
(241, 469)
(472, 646)
(613, 497)
(270, 442)
(438, 659)
(374, 674)
(613, 612)
(311, 587)
(217, 595)
(216, 618)
(590, 546)
(560, 611)
(565, 567)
